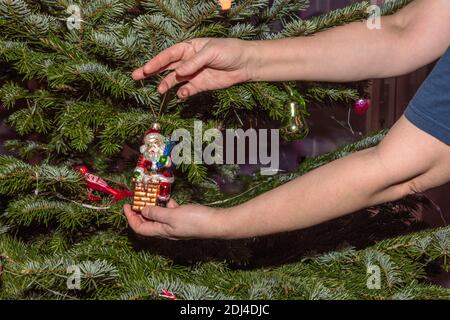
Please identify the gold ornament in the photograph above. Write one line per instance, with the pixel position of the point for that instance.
(295, 126)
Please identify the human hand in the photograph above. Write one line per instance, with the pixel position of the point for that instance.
(178, 222)
(204, 64)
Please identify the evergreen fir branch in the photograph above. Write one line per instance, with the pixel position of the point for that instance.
(242, 31)
(70, 51)
(93, 274)
(18, 176)
(25, 211)
(124, 126)
(201, 12)
(332, 94)
(96, 272)
(195, 292)
(10, 93)
(30, 119)
(164, 32)
(96, 75)
(79, 121)
(9, 48)
(158, 24)
(30, 63)
(27, 23)
(69, 216)
(390, 7)
(17, 9)
(4, 228)
(250, 96)
(262, 289)
(354, 12)
(391, 271)
(282, 8)
(442, 244)
(40, 24)
(270, 98)
(146, 96)
(113, 82)
(104, 10)
(244, 9)
(302, 280)
(421, 291)
(235, 97)
(104, 43)
(211, 30)
(128, 46)
(130, 126)
(172, 9)
(139, 292)
(26, 149)
(196, 173)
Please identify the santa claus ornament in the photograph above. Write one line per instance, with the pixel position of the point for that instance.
(153, 175)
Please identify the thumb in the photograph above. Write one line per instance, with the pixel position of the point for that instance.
(172, 204)
(157, 214)
(194, 64)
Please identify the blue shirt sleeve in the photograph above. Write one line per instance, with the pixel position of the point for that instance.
(430, 108)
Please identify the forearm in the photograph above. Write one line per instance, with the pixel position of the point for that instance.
(407, 160)
(331, 191)
(413, 37)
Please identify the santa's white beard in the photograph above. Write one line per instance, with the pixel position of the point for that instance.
(152, 156)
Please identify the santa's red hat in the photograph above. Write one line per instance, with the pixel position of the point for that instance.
(156, 128)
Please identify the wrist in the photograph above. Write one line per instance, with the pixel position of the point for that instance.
(253, 60)
(225, 222)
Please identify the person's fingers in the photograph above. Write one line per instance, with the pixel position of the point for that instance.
(135, 220)
(188, 90)
(157, 214)
(169, 82)
(165, 57)
(142, 226)
(194, 64)
(172, 204)
(138, 74)
(173, 66)
(161, 61)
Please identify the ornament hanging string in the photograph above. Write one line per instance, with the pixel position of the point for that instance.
(36, 191)
(164, 103)
(151, 107)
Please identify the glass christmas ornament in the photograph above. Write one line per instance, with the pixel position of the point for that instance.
(153, 175)
(295, 126)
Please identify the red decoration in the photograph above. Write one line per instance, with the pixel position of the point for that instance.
(168, 294)
(361, 106)
(96, 183)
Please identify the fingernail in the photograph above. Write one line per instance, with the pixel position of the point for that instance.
(184, 92)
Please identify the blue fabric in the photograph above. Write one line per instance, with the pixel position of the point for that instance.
(430, 108)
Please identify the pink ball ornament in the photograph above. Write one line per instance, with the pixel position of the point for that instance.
(361, 106)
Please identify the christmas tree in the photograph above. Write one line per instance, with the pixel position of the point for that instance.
(66, 86)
